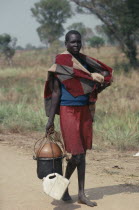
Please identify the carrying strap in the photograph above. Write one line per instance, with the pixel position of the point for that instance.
(53, 159)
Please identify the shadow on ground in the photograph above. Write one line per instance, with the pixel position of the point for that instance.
(96, 194)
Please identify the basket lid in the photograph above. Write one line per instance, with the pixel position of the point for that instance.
(49, 150)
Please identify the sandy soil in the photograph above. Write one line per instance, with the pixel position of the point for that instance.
(112, 178)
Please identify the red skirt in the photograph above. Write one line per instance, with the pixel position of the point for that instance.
(76, 128)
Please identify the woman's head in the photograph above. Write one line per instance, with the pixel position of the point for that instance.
(73, 42)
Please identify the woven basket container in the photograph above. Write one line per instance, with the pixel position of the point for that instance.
(49, 158)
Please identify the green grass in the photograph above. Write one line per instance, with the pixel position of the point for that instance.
(117, 113)
(121, 132)
(22, 117)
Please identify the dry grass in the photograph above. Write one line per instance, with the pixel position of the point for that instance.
(117, 113)
(21, 98)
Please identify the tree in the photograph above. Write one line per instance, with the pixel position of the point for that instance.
(102, 30)
(86, 32)
(51, 14)
(96, 42)
(7, 47)
(18, 47)
(30, 47)
(120, 19)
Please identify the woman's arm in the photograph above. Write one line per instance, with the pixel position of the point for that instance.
(54, 104)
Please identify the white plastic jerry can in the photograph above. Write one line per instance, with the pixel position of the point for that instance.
(55, 185)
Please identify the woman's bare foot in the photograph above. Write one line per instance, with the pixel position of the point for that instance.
(66, 197)
(84, 200)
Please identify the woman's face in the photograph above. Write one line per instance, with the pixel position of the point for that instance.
(74, 44)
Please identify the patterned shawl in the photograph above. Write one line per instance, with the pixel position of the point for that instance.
(75, 77)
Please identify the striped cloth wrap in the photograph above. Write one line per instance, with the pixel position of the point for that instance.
(75, 77)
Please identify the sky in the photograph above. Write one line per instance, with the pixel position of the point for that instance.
(16, 19)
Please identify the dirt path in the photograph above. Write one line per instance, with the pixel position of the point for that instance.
(112, 180)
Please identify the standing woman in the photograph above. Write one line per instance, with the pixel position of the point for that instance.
(71, 91)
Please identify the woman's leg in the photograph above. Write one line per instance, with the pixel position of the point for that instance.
(79, 162)
(69, 171)
(81, 181)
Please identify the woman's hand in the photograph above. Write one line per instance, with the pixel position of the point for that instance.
(49, 128)
(97, 77)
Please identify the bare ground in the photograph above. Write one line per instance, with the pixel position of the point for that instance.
(112, 178)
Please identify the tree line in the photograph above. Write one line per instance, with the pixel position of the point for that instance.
(120, 23)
